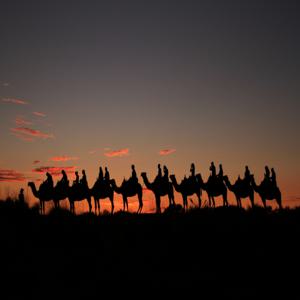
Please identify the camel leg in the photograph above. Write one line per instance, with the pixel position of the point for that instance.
(90, 204)
(199, 199)
(157, 201)
(213, 201)
(264, 202)
(184, 198)
(140, 197)
(252, 200)
(98, 204)
(112, 204)
(278, 200)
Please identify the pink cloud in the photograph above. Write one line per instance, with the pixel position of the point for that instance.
(29, 133)
(35, 162)
(11, 176)
(39, 114)
(20, 121)
(63, 158)
(55, 171)
(166, 151)
(92, 152)
(117, 153)
(14, 101)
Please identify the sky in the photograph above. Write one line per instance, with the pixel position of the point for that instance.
(115, 83)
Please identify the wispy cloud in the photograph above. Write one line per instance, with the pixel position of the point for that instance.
(11, 176)
(63, 158)
(55, 171)
(14, 101)
(35, 162)
(39, 114)
(166, 151)
(26, 133)
(92, 151)
(117, 153)
(21, 121)
(5, 84)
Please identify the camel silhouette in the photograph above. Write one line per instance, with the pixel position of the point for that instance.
(58, 193)
(267, 191)
(129, 189)
(43, 194)
(187, 187)
(101, 190)
(214, 187)
(79, 192)
(241, 189)
(160, 188)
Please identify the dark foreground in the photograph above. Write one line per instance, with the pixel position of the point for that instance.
(229, 253)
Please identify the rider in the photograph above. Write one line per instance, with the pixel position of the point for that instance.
(64, 180)
(212, 168)
(192, 170)
(49, 180)
(166, 175)
(106, 176)
(220, 175)
(247, 174)
(273, 177)
(267, 174)
(83, 180)
(100, 177)
(159, 173)
(76, 181)
(133, 174)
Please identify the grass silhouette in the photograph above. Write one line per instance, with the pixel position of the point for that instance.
(229, 251)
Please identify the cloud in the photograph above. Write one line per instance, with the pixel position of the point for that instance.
(117, 153)
(166, 151)
(5, 84)
(55, 171)
(26, 133)
(39, 114)
(92, 151)
(35, 162)
(14, 101)
(20, 121)
(11, 176)
(63, 158)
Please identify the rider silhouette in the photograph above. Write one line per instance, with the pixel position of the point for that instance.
(100, 177)
(83, 180)
(49, 180)
(64, 180)
(21, 196)
(267, 173)
(192, 170)
(166, 175)
(76, 181)
(159, 174)
(106, 176)
(133, 174)
(220, 175)
(213, 169)
(247, 174)
(273, 177)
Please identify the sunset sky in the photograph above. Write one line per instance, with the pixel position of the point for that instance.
(88, 83)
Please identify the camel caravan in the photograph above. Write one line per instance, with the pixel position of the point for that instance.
(163, 185)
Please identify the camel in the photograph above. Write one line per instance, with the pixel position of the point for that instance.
(102, 190)
(187, 187)
(43, 194)
(214, 188)
(78, 192)
(267, 191)
(129, 189)
(160, 188)
(241, 189)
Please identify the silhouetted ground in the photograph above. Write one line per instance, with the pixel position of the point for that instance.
(225, 252)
